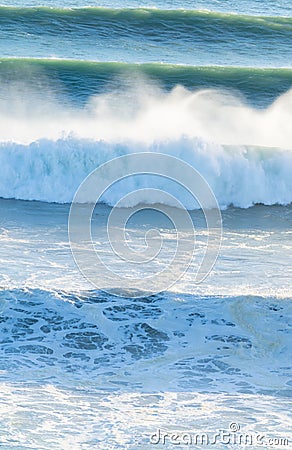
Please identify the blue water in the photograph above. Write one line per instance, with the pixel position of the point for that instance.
(208, 82)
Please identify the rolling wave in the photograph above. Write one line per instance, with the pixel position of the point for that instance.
(251, 7)
(145, 20)
(79, 80)
(185, 16)
(244, 153)
(96, 33)
(122, 107)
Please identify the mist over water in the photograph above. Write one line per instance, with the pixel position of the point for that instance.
(244, 152)
(142, 112)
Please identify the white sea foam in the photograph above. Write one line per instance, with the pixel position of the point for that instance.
(46, 149)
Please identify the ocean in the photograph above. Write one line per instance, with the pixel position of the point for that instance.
(181, 337)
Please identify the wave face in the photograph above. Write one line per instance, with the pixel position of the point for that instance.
(244, 153)
(184, 15)
(76, 81)
(145, 35)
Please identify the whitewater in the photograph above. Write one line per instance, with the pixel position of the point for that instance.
(243, 153)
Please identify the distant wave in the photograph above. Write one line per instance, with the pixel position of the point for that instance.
(145, 35)
(183, 24)
(144, 13)
(245, 154)
(153, 67)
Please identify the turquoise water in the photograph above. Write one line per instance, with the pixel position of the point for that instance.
(146, 35)
(208, 82)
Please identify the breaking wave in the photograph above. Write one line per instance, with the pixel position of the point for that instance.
(47, 149)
